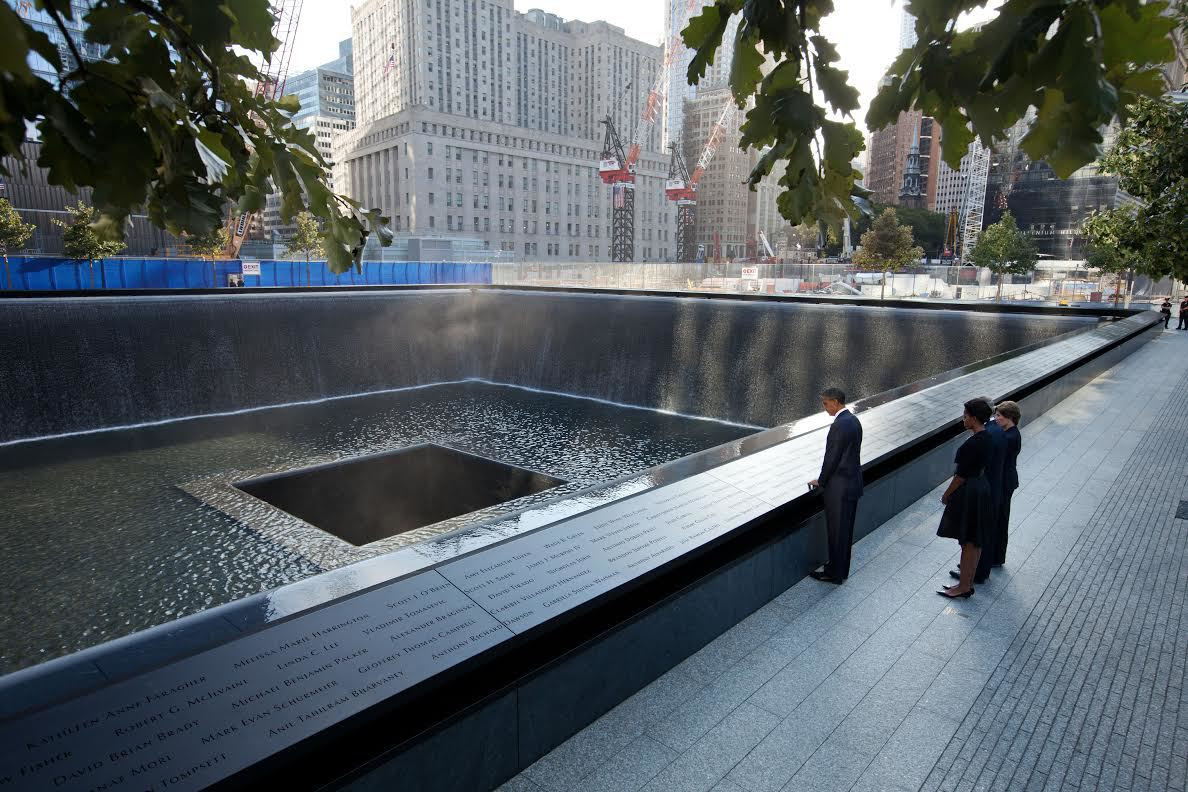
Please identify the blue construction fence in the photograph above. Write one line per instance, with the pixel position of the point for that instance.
(37, 273)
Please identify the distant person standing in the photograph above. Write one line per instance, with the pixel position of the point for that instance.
(1165, 309)
(840, 483)
(1007, 415)
(1183, 325)
(968, 508)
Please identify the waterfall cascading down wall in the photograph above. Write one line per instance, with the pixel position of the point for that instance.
(79, 364)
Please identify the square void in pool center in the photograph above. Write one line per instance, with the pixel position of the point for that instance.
(365, 499)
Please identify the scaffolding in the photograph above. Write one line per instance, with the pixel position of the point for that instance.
(973, 205)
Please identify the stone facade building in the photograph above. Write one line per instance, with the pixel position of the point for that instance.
(475, 119)
(727, 209)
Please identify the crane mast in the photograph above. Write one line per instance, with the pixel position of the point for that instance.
(686, 208)
(616, 165)
(271, 86)
(681, 186)
(622, 182)
(974, 200)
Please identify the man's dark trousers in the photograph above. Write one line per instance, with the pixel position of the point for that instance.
(841, 487)
(839, 524)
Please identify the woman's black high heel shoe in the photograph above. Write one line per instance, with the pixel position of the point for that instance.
(945, 593)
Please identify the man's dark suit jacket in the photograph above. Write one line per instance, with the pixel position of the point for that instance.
(995, 468)
(841, 471)
(1010, 471)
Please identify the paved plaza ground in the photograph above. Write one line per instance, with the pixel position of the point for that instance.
(1065, 672)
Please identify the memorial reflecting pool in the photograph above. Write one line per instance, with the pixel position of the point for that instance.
(99, 541)
(107, 533)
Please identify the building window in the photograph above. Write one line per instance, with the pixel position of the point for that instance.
(430, 147)
(431, 174)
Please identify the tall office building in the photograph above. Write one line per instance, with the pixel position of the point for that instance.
(726, 208)
(1048, 209)
(42, 22)
(327, 98)
(890, 148)
(676, 16)
(29, 191)
(477, 121)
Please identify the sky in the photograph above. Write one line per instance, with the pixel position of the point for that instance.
(866, 32)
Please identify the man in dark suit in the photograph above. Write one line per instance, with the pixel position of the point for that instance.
(840, 483)
(994, 473)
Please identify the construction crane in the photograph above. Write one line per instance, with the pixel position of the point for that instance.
(622, 181)
(616, 165)
(271, 86)
(681, 186)
(771, 256)
(973, 203)
(686, 208)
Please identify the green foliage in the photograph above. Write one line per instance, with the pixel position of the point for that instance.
(308, 238)
(887, 245)
(169, 121)
(1004, 250)
(1150, 158)
(1078, 63)
(81, 239)
(14, 232)
(210, 244)
(928, 228)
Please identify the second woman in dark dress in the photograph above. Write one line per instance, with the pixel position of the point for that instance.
(968, 506)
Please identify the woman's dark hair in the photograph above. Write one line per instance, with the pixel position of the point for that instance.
(978, 409)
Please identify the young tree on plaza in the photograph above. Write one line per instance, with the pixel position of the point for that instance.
(1150, 159)
(82, 241)
(307, 240)
(887, 246)
(210, 245)
(1004, 250)
(14, 233)
(1116, 246)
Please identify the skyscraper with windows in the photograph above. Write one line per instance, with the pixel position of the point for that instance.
(890, 147)
(327, 98)
(72, 30)
(676, 16)
(476, 120)
(29, 189)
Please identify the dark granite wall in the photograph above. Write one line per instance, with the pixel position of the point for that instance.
(75, 364)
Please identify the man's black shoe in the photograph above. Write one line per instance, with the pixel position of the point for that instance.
(825, 577)
(953, 573)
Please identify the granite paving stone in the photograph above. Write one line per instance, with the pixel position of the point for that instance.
(1065, 672)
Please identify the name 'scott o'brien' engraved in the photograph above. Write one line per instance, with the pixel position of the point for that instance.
(198, 721)
(529, 580)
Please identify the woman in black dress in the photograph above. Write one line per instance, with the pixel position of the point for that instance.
(968, 507)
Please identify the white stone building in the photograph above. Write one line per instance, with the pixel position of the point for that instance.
(479, 121)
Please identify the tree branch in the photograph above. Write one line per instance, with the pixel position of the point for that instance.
(61, 25)
(183, 39)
